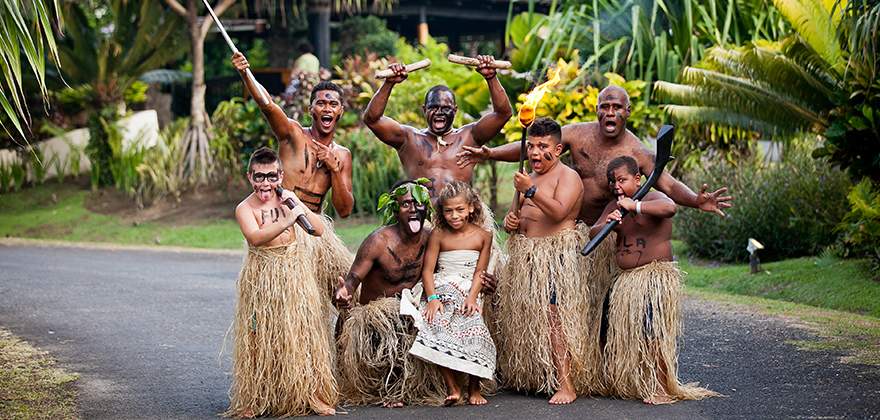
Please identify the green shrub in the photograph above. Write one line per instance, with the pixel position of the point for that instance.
(861, 226)
(241, 125)
(362, 34)
(158, 174)
(37, 165)
(5, 176)
(376, 167)
(791, 207)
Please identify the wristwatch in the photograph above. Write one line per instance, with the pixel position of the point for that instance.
(531, 191)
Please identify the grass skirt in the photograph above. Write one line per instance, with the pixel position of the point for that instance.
(534, 266)
(374, 365)
(331, 258)
(281, 355)
(644, 322)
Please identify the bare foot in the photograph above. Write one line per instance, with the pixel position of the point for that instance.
(247, 414)
(659, 399)
(475, 398)
(393, 404)
(563, 396)
(321, 408)
(453, 397)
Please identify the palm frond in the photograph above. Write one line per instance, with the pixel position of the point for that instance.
(816, 25)
(701, 115)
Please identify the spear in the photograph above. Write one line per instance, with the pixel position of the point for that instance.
(262, 100)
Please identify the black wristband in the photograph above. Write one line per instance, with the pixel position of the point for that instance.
(531, 191)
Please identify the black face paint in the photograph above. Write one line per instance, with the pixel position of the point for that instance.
(548, 156)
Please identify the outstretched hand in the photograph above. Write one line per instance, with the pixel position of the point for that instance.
(400, 73)
(240, 62)
(471, 155)
(714, 202)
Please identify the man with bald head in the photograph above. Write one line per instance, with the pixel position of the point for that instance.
(431, 152)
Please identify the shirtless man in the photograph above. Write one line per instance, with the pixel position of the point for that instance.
(278, 307)
(644, 298)
(388, 262)
(431, 152)
(313, 162)
(593, 145)
(541, 292)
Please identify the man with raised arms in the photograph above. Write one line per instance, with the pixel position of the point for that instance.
(314, 164)
(431, 152)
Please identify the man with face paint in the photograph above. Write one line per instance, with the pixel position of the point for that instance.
(278, 307)
(430, 152)
(644, 319)
(314, 164)
(543, 337)
(388, 261)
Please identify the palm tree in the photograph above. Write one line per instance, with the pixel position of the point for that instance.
(822, 79)
(25, 27)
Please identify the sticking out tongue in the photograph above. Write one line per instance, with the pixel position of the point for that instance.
(264, 195)
(415, 226)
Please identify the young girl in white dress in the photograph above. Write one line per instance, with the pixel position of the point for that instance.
(452, 333)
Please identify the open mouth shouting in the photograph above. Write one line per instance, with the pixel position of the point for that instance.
(326, 121)
(415, 223)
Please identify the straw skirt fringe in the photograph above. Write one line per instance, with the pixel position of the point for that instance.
(534, 267)
(374, 365)
(281, 355)
(644, 322)
(331, 258)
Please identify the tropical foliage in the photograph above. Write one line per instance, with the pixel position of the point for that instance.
(376, 167)
(27, 41)
(822, 79)
(360, 35)
(791, 207)
(861, 226)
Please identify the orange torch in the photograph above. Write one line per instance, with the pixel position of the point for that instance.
(527, 117)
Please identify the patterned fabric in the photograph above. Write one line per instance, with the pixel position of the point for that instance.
(453, 340)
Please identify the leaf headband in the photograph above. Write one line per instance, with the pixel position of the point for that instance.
(388, 205)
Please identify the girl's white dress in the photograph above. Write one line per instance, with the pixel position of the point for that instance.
(453, 340)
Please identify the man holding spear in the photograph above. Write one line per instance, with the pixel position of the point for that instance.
(314, 165)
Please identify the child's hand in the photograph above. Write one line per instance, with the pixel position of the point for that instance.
(471, 307)
(614, 215)
(434, 306)
(626, 203)
(511, 222)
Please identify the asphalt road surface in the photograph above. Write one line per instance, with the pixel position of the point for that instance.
(144, 329)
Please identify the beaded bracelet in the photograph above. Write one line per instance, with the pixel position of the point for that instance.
(433, 297)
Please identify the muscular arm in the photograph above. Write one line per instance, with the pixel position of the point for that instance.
(491, 124)
(316, 221)
(559, 203)
(284, 128)
(340, 181)
(681, 193)
(363, 262)
(658, 205)
(255, 234)
(386, 129)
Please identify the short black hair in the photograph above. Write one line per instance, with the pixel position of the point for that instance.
(631, 166)
(262, 156)
(546, 127)
(305, 47)
(326, 85)
(437, 89)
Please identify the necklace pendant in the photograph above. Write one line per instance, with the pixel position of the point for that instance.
(441, 142)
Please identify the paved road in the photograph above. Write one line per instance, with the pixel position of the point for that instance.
(144, 329)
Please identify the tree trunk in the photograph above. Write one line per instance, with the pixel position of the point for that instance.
(197, 157)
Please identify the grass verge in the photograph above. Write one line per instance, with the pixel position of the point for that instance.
(31, 386)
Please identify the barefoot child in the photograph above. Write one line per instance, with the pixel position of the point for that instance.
(452, 333)
(281, 355)
(644, 317)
